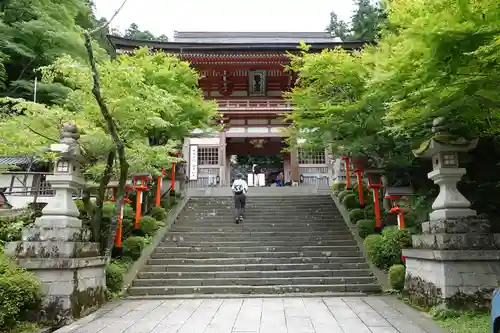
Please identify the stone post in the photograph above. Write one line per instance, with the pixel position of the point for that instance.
(57, 248)
(456, 259)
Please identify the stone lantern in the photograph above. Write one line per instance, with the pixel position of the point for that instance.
(456, 258)
(57, 248)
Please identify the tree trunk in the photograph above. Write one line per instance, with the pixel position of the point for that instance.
(113, 132)
(95, 223)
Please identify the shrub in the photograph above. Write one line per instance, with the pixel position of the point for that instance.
(385, 250)
(338, 187)
(365, 228)
(168, 202)
(132, 247)
(397, 277)
(148, 225)
(11, 226)
(158, 213)
(114, 277)
(372, 244)
(356, 214)
(351, 201)
(19, 293)
(343, 193)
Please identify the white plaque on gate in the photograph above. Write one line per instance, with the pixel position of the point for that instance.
(193, 162)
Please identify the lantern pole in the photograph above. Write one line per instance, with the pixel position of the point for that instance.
(118, 248)
(359, 176)
(159, 184)
(375, 184)
(347, 172)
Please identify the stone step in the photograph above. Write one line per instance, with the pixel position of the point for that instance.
(249, 260)
(267, 211)
(214, 265)
(304, 255)
(272, 243)
(259, 208)
(242, 289)
(284, 197)
(251, 233)
(263, 217)
(296, 248)
(229, 221)
(222, 237)
(239, 296)
(248, 227)
(256, 274)
(252, 281)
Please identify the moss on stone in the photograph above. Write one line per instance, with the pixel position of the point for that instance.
(426, 295)
(85, 301)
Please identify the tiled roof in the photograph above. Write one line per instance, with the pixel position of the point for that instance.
(12, 160)
(253, 37)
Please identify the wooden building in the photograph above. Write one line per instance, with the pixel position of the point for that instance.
(245, 74)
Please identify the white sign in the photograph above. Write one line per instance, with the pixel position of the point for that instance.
(193, 162)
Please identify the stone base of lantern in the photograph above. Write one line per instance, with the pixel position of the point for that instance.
(72, 287)
(455, 262)
(71, 272)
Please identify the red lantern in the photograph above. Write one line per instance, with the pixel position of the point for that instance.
(375, 184)
(140, 181)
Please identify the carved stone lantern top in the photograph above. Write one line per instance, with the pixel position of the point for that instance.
(443, 142)
(68, 147)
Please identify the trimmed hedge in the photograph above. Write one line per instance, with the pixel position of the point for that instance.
(385, 250)
(114, 277)
(133, 246)
(365, 228)
(338, 187)
(343, 193)
(148, 225)
(351, 201)
(158, 213)
(397, 274)
(356, 214)
(19, 293)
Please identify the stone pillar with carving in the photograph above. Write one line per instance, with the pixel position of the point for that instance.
(57, 247)
(456, 258)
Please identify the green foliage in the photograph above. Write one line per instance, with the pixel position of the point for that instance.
(459, 322)
(365, 227)
(397, 274)
(24, 25)
(19, 293)
(12, 224)
(343, 193)
(168, 202)
(133, 32)
(114, 277)
(158, 213)
(356, 214)
(351, 201)
(372, 245)
(384, 250)
(152, 95)
(149, 225)
(338, 187)
(133, 246)
(365, 24)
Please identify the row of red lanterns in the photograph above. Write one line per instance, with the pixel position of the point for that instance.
(375, 184)
(140, 184)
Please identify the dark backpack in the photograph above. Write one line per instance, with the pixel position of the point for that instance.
(238, 189)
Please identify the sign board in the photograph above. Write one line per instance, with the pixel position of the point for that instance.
(193, 162)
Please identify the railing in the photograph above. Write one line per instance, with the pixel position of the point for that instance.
(253, 105)
(38, 186)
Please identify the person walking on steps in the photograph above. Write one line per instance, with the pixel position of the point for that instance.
(240, 189)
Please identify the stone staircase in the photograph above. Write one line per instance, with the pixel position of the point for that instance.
(287, 244)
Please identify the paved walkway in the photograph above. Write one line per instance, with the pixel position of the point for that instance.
(256, 315)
